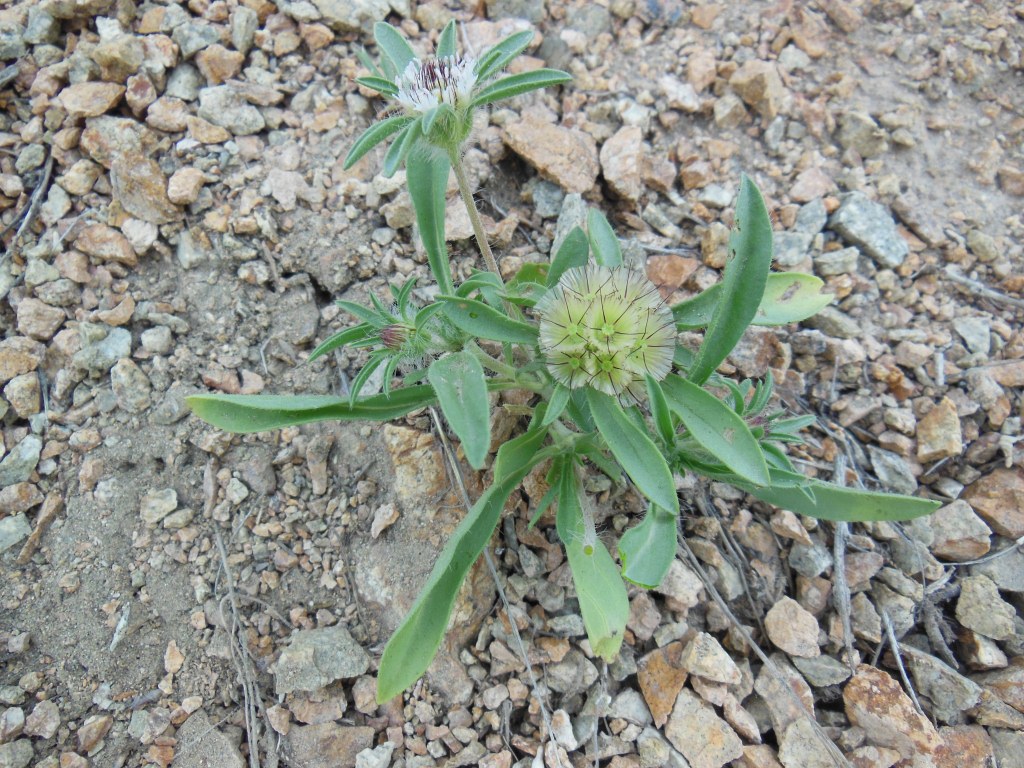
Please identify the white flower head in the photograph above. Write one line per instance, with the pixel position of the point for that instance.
(607, 329)
(427, 84)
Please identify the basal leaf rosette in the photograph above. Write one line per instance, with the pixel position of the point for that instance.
(606, 328)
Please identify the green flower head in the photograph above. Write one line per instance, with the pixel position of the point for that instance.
(435, 97)
(607, 329)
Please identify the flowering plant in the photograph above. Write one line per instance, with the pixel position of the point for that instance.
(612, 391)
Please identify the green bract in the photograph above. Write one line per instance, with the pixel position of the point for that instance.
(435, 97)
(610, 390)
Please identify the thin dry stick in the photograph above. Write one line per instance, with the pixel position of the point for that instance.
(978, 289)
(33, 208)
(520, 646)
(837, 757)
(894, 644)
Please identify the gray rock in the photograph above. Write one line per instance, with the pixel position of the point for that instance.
(1008, 747)
(19, 464)
(862, 134)
(573, 674)
(704, 738)
(131, 386)
(976, 333)
(893, 471)
(184, 82)
(591, 19)
(316, 658)
(822, 671)
(193, 36)
(210, 745)
(715, 196)
(841, 262)
(573, 214)
(30, 158)
(863, 222)
(950, 692)
(800, 747)
(352, 15)
(12, 41)
(982, 609)
(98, 355)
(835, 323)
(656, 752)
(547, 198)
(810, 561)
(379, 757)
(328, 745)
(812, 217)
(17, 754)
(41, 27)
(531, 10)
(222, 106)
(983, 245)
(630, 705)
(791, 248)
(244, 23)
(13, 529)
(156, 505)
(1007, 571)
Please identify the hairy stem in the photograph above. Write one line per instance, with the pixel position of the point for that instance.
(474, 215)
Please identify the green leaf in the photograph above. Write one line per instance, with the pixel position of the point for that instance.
(573, 252)
(513, 85)
(648, 549)
(833, 502)
(368, 316)
(790, 297)
(634, 451)
(379, 84)
(401, 147)
(602, 595)
(366, 61)
(746, 272)
(717, 427)
(458, 380)
(495, 59)
(427, 177)
(446, 42)
(376, 360)
(340, 339)
(373, 136)
(485, 322)
(393, 46)
(660, 414)
(556, 406)
(412, 647)
(603, 242)
(259, 413)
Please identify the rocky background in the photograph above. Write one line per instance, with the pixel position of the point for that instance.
(175, 219)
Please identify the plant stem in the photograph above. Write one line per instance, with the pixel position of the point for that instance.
(474, 215)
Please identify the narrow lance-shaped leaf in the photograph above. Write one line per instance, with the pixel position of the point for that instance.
(485, 322)
(833, 502)
(660, 414)
(400, 148)
(446, 42)
(458, 380)
(259, 413)
(634, 451)
(572, 252)
(717, 427)
(340, 339)
(746, 272)
(513, 85)
(602, 595)
(379, 84)
(393, 46)
(427, 177)
(373, 136)
(412, 647)
(495, 59)
(648, 549)
(556, 406)
(603, 242)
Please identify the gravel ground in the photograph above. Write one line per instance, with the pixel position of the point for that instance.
(176, 219)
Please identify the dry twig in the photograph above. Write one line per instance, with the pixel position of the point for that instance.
(32, 210)
(890, 633)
